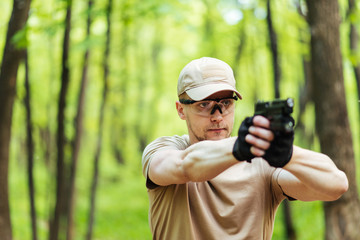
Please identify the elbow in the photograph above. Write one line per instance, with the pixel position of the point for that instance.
(344, 184)
(340, 188)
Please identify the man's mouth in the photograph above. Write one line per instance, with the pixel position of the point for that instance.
(216, 129)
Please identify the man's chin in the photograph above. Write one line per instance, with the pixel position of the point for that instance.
(217, 136)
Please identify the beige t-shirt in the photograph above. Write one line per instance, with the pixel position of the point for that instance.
(239, 203)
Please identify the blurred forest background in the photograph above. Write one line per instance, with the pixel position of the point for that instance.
(85, 85)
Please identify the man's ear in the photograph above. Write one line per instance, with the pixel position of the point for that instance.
(180, 110)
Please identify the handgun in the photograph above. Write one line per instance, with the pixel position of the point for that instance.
(277, 112)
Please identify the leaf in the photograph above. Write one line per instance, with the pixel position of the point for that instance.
(19, 39)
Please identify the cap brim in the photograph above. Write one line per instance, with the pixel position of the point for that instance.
(202, 92)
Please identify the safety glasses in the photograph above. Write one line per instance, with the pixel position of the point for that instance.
(209, 106)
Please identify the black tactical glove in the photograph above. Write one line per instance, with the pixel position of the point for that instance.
(241, 149)
(281, 148)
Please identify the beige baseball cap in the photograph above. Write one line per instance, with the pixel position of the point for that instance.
(205, 76)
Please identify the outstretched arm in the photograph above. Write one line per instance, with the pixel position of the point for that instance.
(200, 162)
(309, 175)
(312, 176)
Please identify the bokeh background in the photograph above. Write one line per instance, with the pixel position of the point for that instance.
(124, 58)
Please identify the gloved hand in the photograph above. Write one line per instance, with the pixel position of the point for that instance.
(241, 149)
(281, 148)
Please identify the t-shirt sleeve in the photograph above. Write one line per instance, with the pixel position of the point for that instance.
(277, 185)
(160, 144)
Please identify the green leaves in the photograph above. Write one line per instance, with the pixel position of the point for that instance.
(20, 39)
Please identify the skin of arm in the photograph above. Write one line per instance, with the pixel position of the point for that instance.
(201, 161)
(312, 176)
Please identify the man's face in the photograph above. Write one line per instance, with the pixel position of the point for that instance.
(215, 126)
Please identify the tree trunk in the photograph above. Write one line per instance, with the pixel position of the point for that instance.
(332, 123)
(101, 123)
(9, 67)
(59, 222)
(30, 151)
(209, 40)
(239, 48)
(78, 132)
(305, 94)
(274, 51)
(119, 127)
(290, 230)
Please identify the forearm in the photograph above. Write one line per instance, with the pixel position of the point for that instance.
(200, 162)
(318, 173)
(207, 159)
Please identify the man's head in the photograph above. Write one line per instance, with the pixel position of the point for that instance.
(206, 90)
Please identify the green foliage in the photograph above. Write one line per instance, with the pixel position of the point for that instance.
(150, 43)
(20, 40)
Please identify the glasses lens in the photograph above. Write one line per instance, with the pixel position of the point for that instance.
(203, 107)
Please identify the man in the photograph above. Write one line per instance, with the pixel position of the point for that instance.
(208, 185)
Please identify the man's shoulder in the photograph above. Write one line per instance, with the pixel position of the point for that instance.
(176, 141)
(160, 144)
